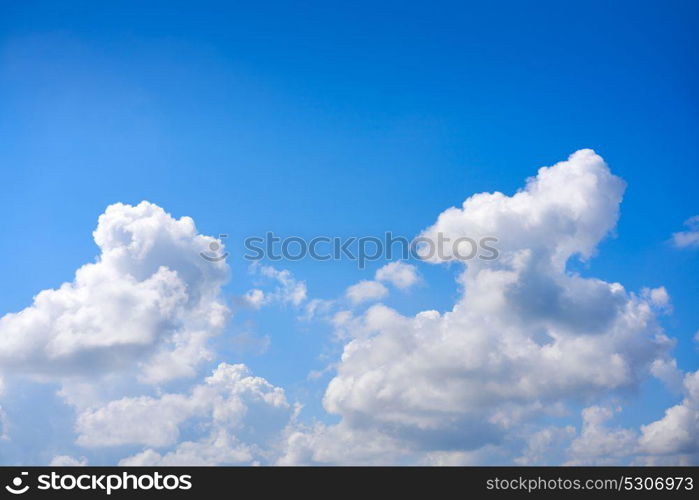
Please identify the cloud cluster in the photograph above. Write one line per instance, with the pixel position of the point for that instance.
(366, 290)
(526, 337)
(230, 405)
(288, 290)
(527, 341)
(398, 274)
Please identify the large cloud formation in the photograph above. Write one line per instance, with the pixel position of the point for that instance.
(527, 335)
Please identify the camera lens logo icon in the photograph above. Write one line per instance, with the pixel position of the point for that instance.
(215, 246)
(16, 487)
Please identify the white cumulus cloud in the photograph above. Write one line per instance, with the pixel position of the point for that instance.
(677, 433)
(526, 336)
(149, 302)
(366, 290)
(399, 274)
(231, 405)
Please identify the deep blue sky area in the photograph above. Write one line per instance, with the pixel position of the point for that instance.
(343, 118)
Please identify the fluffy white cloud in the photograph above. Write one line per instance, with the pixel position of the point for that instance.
(254, 298)
(543, 446)
(526, 336)
(690, 237)
(677, 433)
(598, 444)
(231, 405)
(366, 290)
(288, 289)
(564, 210)
(149, 302)
(671, 440)
(399, 274)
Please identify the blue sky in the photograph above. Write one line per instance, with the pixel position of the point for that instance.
(336, 119)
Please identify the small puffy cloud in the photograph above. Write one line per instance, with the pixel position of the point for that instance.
(690, 237)
(399, 274)
(254, 298)
(365, 291)
(288, 289)
(658, 298)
